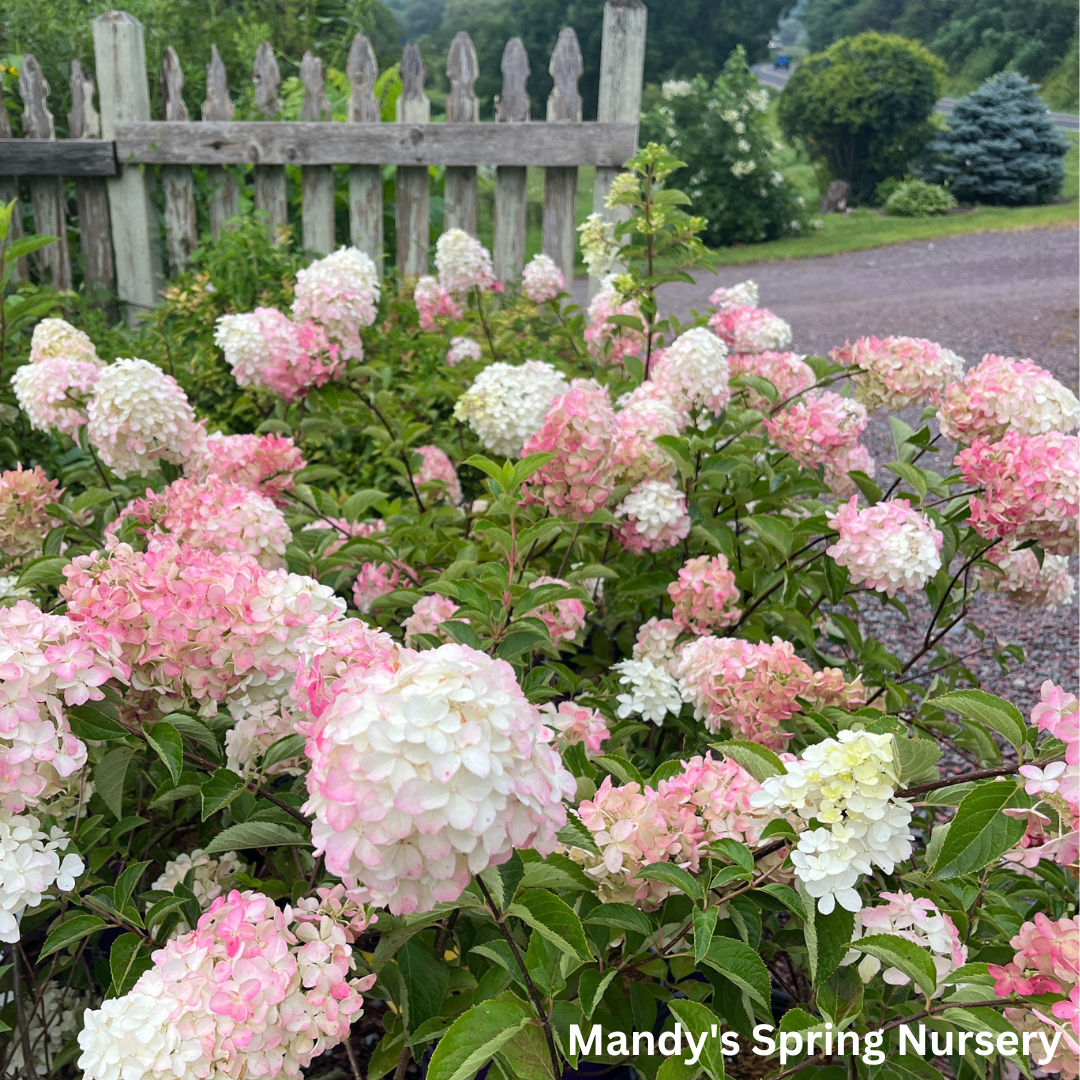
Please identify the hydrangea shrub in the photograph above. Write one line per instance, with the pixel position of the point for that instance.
(510, 679)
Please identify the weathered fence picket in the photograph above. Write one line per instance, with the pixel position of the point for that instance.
(9, 190)
(114, 159)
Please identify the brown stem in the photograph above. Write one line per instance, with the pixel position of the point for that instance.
(446, 928)
(24, 1027)
(350, 1053)
(963, 778)
(484, 323)
(534, 994)
(403, 1063)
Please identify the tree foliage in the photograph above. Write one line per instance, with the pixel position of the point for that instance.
(1001, 146)
(864, 106)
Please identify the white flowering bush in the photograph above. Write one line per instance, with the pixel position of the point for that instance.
(506, 676)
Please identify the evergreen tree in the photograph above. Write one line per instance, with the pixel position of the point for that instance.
(1002, 146)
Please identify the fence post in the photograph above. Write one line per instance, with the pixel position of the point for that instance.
(622, 66)
(181, 233)
(511, 181)
(46, 192)
(120, 58)
(317, 181)
(270, 190)
(462, 68)
(413, 107)
(365, 181)
(9, 189)
(560, 184)
(90, 193)
(224, 194)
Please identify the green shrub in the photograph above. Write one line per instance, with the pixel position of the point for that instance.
(1002, 146)
(721, 132)
(864, 107)
(917, 198)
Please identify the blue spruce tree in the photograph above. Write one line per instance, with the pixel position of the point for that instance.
(1001, 146)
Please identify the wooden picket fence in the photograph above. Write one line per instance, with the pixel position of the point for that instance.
(112, 153)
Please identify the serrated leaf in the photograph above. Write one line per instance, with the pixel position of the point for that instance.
(45, 570)
(109, 776)
(996, 713)
(786, 895)
(555, 920)
(195, 730)
(89, 723)
(75, 929)
(591, 987)
(619, 767)
(165, 739)
(256, 834)
(870, 491)
(622, 917)
(737, 852)
(675, 876)
(547, 594)
(574, 834)
(742, 965)
(758, 761)
(700, 1019)
(125, 884)
(704, 925)
(474, 1039)
(980, 833)
(911, 473)
(127, 961)
(220, 790)
(906, 956)
(774, 532)
(915, 759)
(425, 977)
(288, 746)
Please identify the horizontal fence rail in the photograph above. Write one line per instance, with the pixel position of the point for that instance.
(119, 156)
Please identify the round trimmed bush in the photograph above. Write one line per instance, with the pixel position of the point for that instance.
(917, 198)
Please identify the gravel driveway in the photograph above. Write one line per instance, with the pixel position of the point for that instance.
(1011, 293)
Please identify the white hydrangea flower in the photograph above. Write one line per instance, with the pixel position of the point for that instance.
(56, 1019)
(210, 874)
(57, 339)
(676, 88)
(542, 280)
(599, 250)
(656, 641)
(743, 294)
(257, 726)
(653, 694)
(10, 590)
(340, 291)
(131, 1037)
(655, 516)
(30, 865)
(462, 262)
(507, 403)
(693, 372)
(139, 415)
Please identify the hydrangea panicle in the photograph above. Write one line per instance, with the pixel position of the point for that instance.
(25, 495)
(542, 280)
(637, 425)
(606, 341)
(787, 371)
(54, 392)
(463, 263)
(268, 463)
(744, 294)
(1019, 576)
(564, 618)
(897, 372)
(576, 725)
(341, 293)
(654, 517)
(463, 348)
(433, 303)
(746, 329)
(55, 339)
(817, 429)
(704, 596)
(427, 613)
(437, 468)
(693, 372)
(652, 691)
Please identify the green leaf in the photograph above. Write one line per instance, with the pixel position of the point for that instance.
(738, 853)
(426, 978)
(88, 723)
(44, 571)
(742, 965)
(904, 955)
(622, 917)
(125, 884)
(288, 746)
(574, 834)
(526, 1053)
(619, 767)
(591, 987)
(673, 875)
(547, 594)
(555, 920)
(699, 1019)
(127, 961)
(758, 761)
(826, 936)
(871, 492)
(787, 896)
(774, 532)
(911, 473)
(75, 929)
(165, 739)
(220, 790)
(762, 386)
(996, 713)
(916, 759)
(980, 833)
(195, 730)
(503, 880)
(256, 834)
(704, 925)
(474, 1039)
(109, 776)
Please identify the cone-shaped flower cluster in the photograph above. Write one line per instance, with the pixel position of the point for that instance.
(704, 595)
(268, 463)
(542, 280)
(895, 372)
(818, 429)
(746, 329)
(341, 293)
(654, 517)
(25, 521)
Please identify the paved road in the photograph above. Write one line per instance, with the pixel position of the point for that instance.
(777, 78)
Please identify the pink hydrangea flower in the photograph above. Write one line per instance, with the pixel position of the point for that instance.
(268, 463)
(654, 517)
(1047, 958)
(746, 329)
(267, 349)
(785, 370)
(213, 514)
(1031, 489)
(633, 828)
(888, 546)
(427, 771)
(254, 989)
(542, 280)
(462, 348)
(463, 263)
(637, 425)
(434, 302)
(1020, 577)
(437, 468)
(374, 580)
(704, 595)
(427, 613)
(693, 372)
(751, 689)
(896, 372)
(1001, 394)
(576, 725)
(564, 619)
(44, 666)
(1058, 712)
(194, 625)
(817, 429)
(608, 342)
(54, 392)
(24, 520)
(840, 466)
(579, 429)
(341, 293)
(720, 793)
